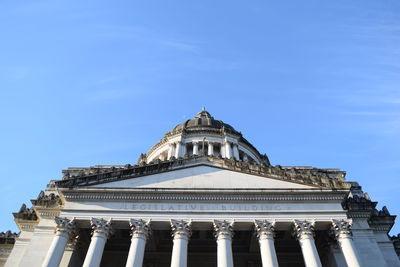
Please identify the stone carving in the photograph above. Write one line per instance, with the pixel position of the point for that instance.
(304, 175)
(65, 226)
(51, 200)
(341, 228)
(264, 229)
(396, 243)
(181, 229)
(223, 229)
(140, 228)
(101, 227)
(25, 213)
(303, 229)
(381, 220)
(8, 237)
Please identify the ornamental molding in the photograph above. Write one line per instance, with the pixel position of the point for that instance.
(181, 229)
(45, 213)
(200, 195)
(26, 226)
(223, 229)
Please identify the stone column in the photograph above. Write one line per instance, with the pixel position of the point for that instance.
(171, 151)
(210, 149)
(178, 149)
(265, 234)
(181, 233)
(195, 148)
(101, 230)
(304, 232)
(342, 231)
(228, 150)
(236, 151)
(223, 233)
(64, 230)
(140, 231)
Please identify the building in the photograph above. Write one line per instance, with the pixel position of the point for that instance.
(203, 196)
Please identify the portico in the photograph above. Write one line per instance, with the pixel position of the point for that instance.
(203, 196)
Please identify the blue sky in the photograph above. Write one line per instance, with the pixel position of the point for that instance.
(312, 83)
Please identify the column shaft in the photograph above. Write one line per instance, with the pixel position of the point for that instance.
(170, 151)
(178, 150)
(304, 231)
(310, 253)
(228, 150)
(350, 254)
(136, 252)
(224, 252)
(342, 231)
(101, 231)
(65, 228)
(181, 233)
(268, 254)
(95, 251)
(56, 251)
(195, 148)
(236, 151)
(179, 252)
(140, 231)
(265, 234)
(210, 149)
(223, 232)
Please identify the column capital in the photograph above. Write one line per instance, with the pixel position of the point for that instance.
(223, 229)
(140, 228)
(264, 229)
(303, 229)
(101, 227)
(181, 229)
(65, 226)
(341, 228)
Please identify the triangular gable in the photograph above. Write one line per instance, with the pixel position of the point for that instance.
(203, 177)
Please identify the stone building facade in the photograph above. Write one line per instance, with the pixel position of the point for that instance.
(202, 196)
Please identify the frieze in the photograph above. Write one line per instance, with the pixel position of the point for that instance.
(249, 196)
(47, 214)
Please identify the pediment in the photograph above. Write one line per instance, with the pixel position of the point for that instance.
(200, 177)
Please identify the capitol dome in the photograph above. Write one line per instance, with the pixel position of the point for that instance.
(204, 136)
